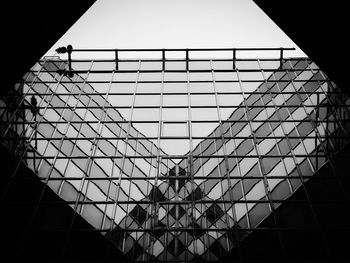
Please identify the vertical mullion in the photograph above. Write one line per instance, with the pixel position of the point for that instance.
(79, 132)
(260, 163)
(130, 181)
(307, 116)
(165, 207)
(103, 126)
(115, 199)
(296, 130)
(98, 131)
(148, 234)
(61, 140)
(225, 158)
(190, 171)
(269, 123)
(88, 162)
(294, 122)
(242, 189)
(203, 209)
(125, 150)
(153, 206)
(54, 132)
(68, 125)
(276, 143)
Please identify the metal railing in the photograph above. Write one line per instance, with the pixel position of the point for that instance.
(163, 53)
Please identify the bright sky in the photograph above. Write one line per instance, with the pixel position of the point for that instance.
(175, 24)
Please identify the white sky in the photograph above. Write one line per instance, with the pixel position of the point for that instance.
(175, 24)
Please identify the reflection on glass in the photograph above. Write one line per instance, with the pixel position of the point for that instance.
(170, 161)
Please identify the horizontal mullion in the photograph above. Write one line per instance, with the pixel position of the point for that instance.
(170, 93)
(180, 202)
(98, 137)
(96, 60)
(192, 106)
(181, 122)
(209, 70)
(189, 178)
(190, 229)
(172, 81)
(174, 156)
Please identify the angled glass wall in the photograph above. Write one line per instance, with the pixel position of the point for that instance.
(175, 159)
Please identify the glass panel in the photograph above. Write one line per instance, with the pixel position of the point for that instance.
(153, 165)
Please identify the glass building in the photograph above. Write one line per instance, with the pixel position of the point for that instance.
(177, 155)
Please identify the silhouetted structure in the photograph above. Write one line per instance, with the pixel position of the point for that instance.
(326, 42)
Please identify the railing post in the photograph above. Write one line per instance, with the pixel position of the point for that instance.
(116, 60)
(69, 51)
(187, 57)
(234, 58)
(163, 59)
(281, 57)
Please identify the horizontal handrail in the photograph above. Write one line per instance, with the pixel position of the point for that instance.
(163, 53)
(181, 49)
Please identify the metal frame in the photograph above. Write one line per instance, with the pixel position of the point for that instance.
(91, 130)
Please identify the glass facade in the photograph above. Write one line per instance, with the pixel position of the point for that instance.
(177, 159)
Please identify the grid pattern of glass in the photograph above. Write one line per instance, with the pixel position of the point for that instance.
(175, 160)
